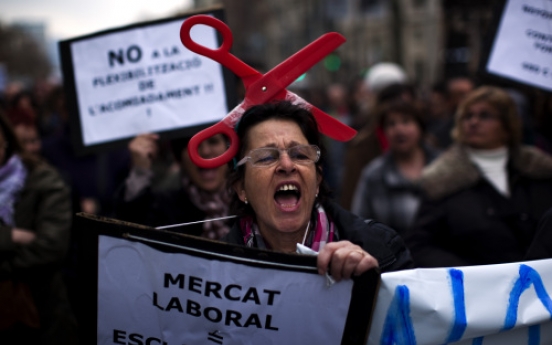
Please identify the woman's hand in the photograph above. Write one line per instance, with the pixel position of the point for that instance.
(345, 259)
(22, 236)
(143, 150)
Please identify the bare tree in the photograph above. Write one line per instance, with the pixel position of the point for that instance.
(22, 55)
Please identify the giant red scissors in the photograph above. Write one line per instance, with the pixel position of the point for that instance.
(259, 88)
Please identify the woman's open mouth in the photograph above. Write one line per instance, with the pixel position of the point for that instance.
(287, 196)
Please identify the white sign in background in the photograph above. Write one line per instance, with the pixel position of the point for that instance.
(506, 304)
(144, 80)
(218, 303)
(522, 48)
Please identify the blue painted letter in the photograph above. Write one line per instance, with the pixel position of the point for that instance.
(527, 277)
(398, 324)
(460, 323)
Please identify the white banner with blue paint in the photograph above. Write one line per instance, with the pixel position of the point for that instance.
(478, 305)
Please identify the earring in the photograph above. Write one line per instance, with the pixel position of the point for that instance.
(245, 200)
(316, 196)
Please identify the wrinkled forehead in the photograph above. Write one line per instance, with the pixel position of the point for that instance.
(279, 133)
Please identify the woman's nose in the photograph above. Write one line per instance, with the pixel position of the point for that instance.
(205, 151)
(473, 120)
(285, 164)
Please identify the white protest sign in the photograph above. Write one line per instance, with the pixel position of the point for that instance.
(142, 79)
(479, 305)
(522, 48)
(152, 297)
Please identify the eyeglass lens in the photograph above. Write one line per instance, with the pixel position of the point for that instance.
(303, 154)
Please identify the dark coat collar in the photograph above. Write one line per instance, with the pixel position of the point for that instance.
(453, 171)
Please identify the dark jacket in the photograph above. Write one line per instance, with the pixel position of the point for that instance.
(385, 195)
(464, 220)
(44, 207)
(91, 176)
(379, 240)
(158, 208)
(541, 247)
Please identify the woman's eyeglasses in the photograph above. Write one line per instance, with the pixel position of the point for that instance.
(268, 156)
(483, 116)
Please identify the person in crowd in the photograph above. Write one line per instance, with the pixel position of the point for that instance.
(11, 89)
(338, 107)
(53, 115)
(198, 194)
(370, 142)
(440, 125)
(388, 189)
(361, 150)
(484, 196)
(93, 177)
(29, 139)
(281, 198)
(436, 103)
(21, 108)
(543, 122)
(27, 134)
(35, 218)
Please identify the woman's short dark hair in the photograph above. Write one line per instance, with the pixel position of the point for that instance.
(396, 91)
(403, 108)
(280, 110)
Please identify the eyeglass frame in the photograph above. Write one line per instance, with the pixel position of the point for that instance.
(481, 116)
(248, 157)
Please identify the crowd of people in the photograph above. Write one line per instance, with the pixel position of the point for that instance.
(457, 175)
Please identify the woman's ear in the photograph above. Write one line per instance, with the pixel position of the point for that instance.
(318, 178)
(240, 191)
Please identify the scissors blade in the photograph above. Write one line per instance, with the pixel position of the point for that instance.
(281, 76)
(327, 124)
(332, 127)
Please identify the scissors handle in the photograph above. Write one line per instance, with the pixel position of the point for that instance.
(211, 163)
(222, 55)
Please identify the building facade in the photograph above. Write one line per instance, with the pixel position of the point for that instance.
(431, 39)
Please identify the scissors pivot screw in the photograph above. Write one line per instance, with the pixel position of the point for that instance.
(263, 88)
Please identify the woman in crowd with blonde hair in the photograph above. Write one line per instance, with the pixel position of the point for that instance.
(483, 197)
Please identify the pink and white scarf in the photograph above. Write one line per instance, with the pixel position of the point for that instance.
(322, 233)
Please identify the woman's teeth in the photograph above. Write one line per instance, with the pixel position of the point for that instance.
(287, 187)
